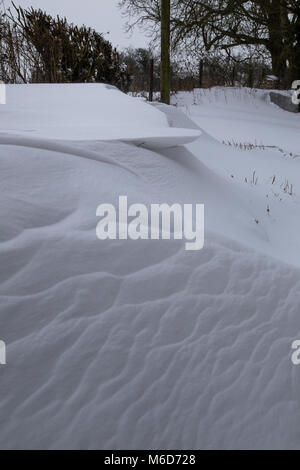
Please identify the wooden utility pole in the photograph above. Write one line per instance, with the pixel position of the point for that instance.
(165, 75)
(233, 75)
(201, 73)
(151, 79)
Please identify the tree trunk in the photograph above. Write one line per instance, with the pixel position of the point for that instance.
(250, 81)
(233, 75)
(165, 79)
(151, 79)
(201, 73)
(294, 49)
(276, 41)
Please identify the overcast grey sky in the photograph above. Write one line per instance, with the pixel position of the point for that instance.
(103, 15)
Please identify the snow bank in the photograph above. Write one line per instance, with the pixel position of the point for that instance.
(242, 115)
(257, 152)
(126, 345)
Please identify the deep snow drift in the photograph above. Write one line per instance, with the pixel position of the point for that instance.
(124, 344)
(260, 160)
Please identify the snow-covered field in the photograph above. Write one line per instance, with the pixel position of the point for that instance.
(141, 344)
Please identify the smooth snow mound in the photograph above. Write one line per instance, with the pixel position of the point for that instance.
(87, 112)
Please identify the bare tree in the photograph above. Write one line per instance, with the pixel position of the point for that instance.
(272, 26)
